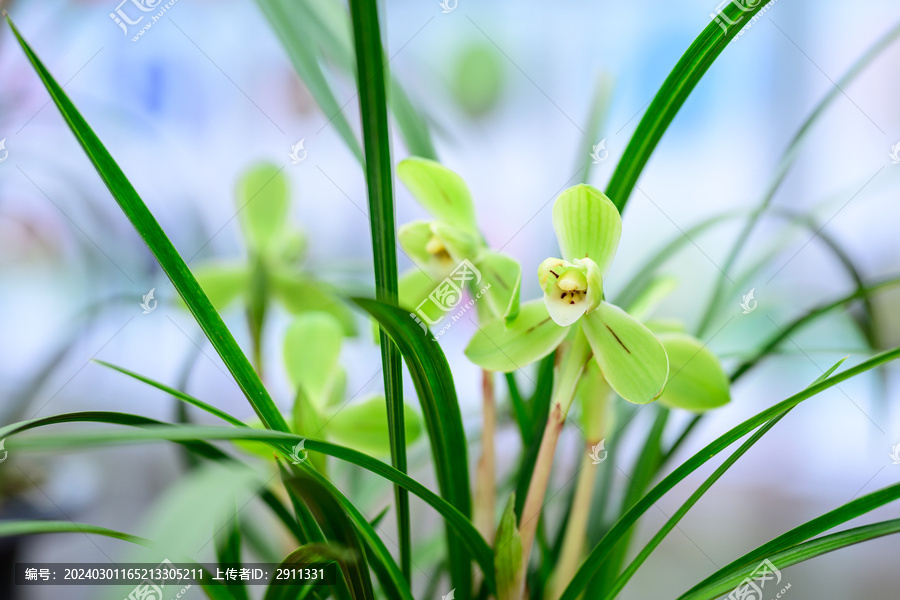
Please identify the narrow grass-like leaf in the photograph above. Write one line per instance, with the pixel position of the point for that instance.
(17, 528)
(176, 393)
(785, 331)
(337, 526)
(287, 22)
(199, 448)
(787, 161)
(508, 553)
(646, 272)
(392, 580)
(600, 104)
(642, 556)
(159, 244)
(305, 554)
(641, 475)
(602, 550)
(228, 550)
(306, 27)
(440, 408)
(675, 90)
(474, 544)
(730, 578)
(370, 66)
(520, 410)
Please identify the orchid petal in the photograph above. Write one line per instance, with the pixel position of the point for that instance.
(632, 360)
(587, 225)
(532, 336)
(697, 381)
(502, 276)
(440, 191)
(312, 346)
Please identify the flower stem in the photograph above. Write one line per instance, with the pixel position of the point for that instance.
(563, 393)
(597, 419)
(485, 486)
(573, 541)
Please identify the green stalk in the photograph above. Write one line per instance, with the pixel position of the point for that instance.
(573, 546)
(563, 393)
(594, 408)
(376, 142)
(486, 487)
(256, 309)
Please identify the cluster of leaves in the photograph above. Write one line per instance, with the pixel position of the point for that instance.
(634, 357)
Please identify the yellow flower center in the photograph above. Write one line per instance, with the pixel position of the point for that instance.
(436, 248)
(571, 281)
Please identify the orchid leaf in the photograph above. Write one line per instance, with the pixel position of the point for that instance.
(632, 360)
(508, 553)
(696, 380)
(532, 336)
(587, 225)
(223, 282)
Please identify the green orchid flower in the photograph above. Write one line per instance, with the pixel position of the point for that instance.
(321, 409)
(320, 406)
(449, 251)
(275, 252)
(631, 359)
